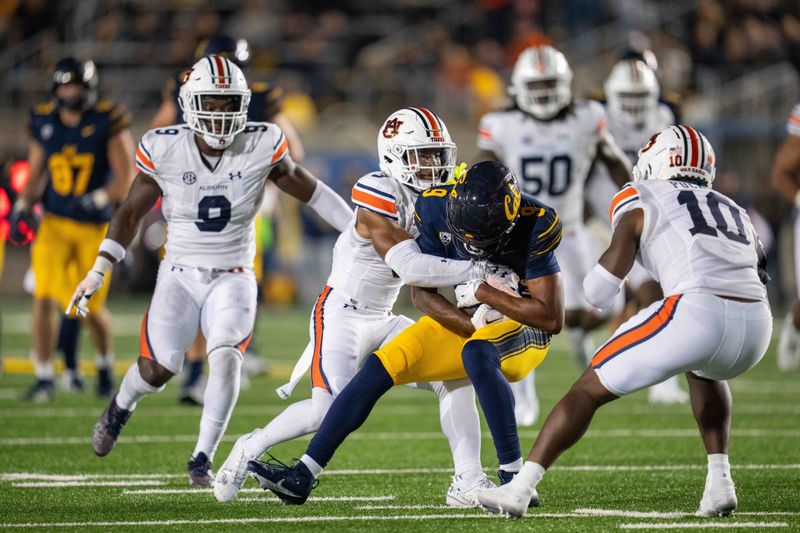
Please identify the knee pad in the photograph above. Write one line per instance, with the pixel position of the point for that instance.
(225, 358)
(479, 357)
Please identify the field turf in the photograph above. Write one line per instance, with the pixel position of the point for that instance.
(639, 466)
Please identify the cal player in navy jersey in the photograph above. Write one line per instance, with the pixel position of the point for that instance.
(482, 216)
(81, 163)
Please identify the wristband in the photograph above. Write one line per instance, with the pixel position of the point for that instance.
(113, 248)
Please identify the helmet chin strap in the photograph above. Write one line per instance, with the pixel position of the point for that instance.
(217, 143)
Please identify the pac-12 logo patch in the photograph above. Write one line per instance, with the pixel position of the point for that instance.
(189, 178)
(445, 237)
(392, 128)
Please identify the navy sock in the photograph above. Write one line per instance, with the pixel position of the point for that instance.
(482, 363)
(69, 333)
(194, 374)
(350, 409)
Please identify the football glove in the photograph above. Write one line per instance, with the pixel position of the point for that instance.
(86, 288)
(465, 293)
(485, 315)
(503, 279)
(24, 223)
(95, 200)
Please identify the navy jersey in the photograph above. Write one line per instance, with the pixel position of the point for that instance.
(265, 100)
(76, 157)
(529, 251)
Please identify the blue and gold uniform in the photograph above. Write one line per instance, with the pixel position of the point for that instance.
(427, 351)
(76, 161)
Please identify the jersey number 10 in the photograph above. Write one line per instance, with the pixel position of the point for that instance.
(714, 200)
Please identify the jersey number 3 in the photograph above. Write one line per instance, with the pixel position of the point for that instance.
(700, 225)
(214, 213)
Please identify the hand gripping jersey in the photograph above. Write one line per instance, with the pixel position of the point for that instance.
(694, 240)
(357, 269)
(552, 158)
(210, 208)
(77, 158)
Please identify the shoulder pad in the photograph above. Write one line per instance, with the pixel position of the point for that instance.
(378, 193)
(626, 199)
(548, 231)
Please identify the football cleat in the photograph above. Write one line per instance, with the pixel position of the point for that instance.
(192, 396)
(72, 382)
(40, 392)
(200, 474)
(108, 426)
(292, 484)
(719, 496)
(505, 478)
(462, 490)
(230, 477)
(667, 392)
(508, 499)
(105, 383)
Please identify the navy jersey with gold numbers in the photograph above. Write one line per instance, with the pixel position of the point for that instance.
(529, 251)
(76, 158)
(265, 100)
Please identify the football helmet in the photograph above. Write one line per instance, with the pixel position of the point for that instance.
(676, 152)
(70, 70)
(482, 209)
(541, 82)
(632, 92)
(214, 97)
(415, 148)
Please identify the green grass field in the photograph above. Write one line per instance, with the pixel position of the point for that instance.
(640, 466)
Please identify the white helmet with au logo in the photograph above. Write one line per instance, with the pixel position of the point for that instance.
(214, 97)
(415, 148)
(541, 82)
(676, 152)
(632, 91)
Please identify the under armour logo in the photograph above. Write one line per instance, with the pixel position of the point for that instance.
(346, 306)
(235, 175)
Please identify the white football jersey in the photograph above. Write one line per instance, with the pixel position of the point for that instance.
(210, 207)
(793, 124)
(694, 240)
(552, 158)
(357, 269)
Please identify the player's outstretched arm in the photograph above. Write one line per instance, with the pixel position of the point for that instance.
(296, 181)
(615, 160)
(785, 168)
(543, 310)
(439, 308)
(121, 230)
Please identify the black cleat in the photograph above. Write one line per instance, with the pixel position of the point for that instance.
(292, 484)
(42, 391)
(200, 474)
(506, 476)
(108, 426)
(105, 383)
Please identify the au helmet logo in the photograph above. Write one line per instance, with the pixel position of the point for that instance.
(650, 142)
(392, 128)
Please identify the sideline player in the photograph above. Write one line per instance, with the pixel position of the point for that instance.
(551, 142)
(353, 316)
(482, 216)
(785, 180)
(80, 157)
(714, 324)
(211, 174)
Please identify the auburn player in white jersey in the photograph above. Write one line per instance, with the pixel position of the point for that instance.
(353, 317)
(714, 324)
(785, 180)
(551, 142)
(211, 174)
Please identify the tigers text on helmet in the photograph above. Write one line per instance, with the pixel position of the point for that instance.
(632, 92)
(70, 70)
(483, 208)
(541, 82)
(415, 148)
(214, 97)
(676, 152)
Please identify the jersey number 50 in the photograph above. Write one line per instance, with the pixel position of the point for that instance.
(556, 178)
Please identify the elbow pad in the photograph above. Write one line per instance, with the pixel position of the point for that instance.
(601, 286)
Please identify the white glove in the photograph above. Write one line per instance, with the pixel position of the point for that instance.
(503, 279)
(485, 315)
(86, 288)
(465, 293)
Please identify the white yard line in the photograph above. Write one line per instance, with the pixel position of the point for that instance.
(675, 514)
(57, 484)
(323, 499)
(703, 525)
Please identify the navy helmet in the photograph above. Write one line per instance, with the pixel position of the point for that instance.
(70, 70)
(483, 208)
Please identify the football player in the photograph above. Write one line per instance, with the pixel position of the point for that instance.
(551, 142)
(714, 324)
(785, 180)
(353, 315)
(483, 216)
(80, 157)
(211, 175)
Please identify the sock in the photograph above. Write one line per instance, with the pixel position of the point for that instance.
(482, 363)
(461, 425)
(69, 333)
(350, 409)
(530, 475)
(513, 466)
(42, 371)
(312, 465)
(718, 464)
(298, 419)
(194, 374)
(104, 361)
(222, 391)
(133, 388)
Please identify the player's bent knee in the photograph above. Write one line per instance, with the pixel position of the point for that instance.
(153, 373)
(479, 357)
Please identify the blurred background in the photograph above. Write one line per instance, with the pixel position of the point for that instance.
(342, 66)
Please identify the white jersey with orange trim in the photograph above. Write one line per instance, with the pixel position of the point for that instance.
(210, 206)
(793, 123)
(694, 240)
(357, 269)
(551, 158)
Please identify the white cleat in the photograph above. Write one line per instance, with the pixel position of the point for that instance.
(719, 496)
(508, 499)
(230, 477)
(788, 352)
(668, 392)
(462, 490)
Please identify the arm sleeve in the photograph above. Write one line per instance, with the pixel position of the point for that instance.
(625, 200)
(331, 207)
(422, 270)
(545, 238)
(488, 135)
(793, 124)
(601, 287)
